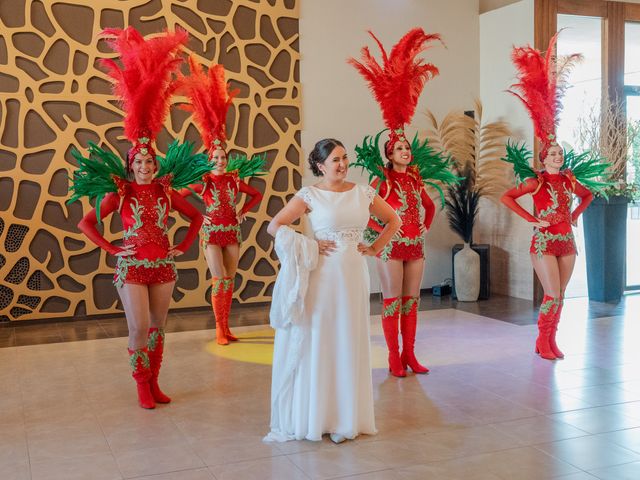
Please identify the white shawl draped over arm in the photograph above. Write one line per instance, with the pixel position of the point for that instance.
(298, 256)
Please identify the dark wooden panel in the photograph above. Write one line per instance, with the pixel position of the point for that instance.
(590, 8)
(613, 49)
(632, 12)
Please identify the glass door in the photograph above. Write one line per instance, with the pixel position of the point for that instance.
(632, 94)
(581, 102)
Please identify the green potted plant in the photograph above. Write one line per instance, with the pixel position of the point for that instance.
(602, 132)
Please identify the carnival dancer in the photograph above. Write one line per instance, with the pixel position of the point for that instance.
(396, 86)
(143, 192)
(210, 99)
(541, 85)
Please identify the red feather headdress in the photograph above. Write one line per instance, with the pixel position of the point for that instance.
(542, 83)
(143, 82)
(210, 98)
(398, 82)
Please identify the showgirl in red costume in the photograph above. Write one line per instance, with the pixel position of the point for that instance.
(143, 192)
(210, 99)
(396, 86)
(553, 248)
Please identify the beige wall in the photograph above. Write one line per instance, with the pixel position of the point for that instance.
(508, 235)
(488, 5)
(337, 103)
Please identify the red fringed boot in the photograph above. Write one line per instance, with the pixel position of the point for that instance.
(408, 326)
(390, 313)
(218, 305)
(552, 338)
(228, 299)
(546, 320)
(155, 345)
(139, 361)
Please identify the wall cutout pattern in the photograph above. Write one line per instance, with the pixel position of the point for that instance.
(54, 97)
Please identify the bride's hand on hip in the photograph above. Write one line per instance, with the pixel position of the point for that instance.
(367, 250)
(326, 247)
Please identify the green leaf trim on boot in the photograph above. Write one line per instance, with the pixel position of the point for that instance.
(408, 305)
(139, 354)
(152, 341)
(392, 308)
(215, 286)
(545, 307)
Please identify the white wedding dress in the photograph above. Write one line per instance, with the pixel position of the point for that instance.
(329, 387)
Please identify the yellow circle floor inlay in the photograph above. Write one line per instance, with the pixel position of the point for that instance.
(256, 346)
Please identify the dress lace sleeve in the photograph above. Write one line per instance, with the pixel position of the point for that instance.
(370, 193)
(305, 195)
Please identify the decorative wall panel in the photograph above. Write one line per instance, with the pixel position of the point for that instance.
(53, 96)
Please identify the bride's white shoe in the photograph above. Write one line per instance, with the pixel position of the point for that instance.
(337, 438)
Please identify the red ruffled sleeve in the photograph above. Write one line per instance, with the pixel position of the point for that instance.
(196, 187)
(255, 196)
(87, 225)
(122, 185)
(181, 205)
(510, 196)
(586, 197)
(429, 208)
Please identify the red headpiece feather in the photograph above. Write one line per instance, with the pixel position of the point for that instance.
(542, 83)
(143, 83)
(398, 82)
(210, 98)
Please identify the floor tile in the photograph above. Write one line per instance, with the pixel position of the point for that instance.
(489, 410)
(628, 471)
(588, 453)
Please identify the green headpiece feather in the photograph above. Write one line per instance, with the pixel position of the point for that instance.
(186, 167)
(433, 166)
(590, 171)
(368, 157)
(94, 175)
(520, 156)
(254, 167)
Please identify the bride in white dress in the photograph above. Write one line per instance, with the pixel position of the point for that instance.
(322, 367)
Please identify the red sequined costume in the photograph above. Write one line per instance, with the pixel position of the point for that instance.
(552, 197)
(144, 210)
(219, 193)
(406, 194)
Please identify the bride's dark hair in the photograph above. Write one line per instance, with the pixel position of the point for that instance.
(320, 152)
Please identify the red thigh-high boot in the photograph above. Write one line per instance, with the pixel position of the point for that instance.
(408, 326)
(228, 298)
(217, 303)
(546, 320)
(155, 345)
(139, 361)
(390, 314)
(556, 320)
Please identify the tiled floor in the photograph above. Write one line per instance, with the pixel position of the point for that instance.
(498, 307)
(490, 409)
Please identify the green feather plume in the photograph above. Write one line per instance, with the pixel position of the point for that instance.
(433, 166)
(368, 157)
(590, 170)
(519, 156)
(186, 167)
(254, 167)
(94, 175)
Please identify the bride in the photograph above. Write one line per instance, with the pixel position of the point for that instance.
(321, 380)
